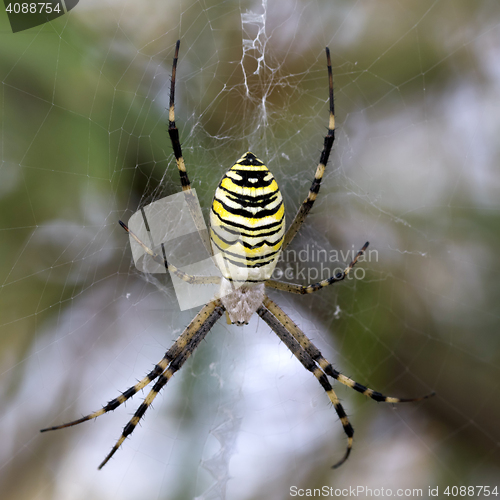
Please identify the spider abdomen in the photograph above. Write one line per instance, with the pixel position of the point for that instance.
(247, 222)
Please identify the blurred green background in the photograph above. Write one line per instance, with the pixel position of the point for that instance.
(83, 117)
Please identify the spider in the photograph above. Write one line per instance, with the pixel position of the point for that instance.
(247, 235)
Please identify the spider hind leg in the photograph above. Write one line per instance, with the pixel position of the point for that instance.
(326, 366)
(308, 363)
(195, 332)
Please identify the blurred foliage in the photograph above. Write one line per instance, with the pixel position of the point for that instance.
(84, 143)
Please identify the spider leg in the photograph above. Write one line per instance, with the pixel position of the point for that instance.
(188, 278)
(320, 170)
(292, 288)
(177, 349)
(316, 355)
(199, 328)
(173, 132)
(307, 361)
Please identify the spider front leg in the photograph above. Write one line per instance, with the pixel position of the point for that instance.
(292, 288)
(316, 355)
(307, 204)
(307, 361)
(177, 349)
(173, 133)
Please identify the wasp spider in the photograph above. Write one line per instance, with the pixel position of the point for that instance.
(247, 231)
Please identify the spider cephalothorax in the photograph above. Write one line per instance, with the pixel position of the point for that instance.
(241, 301)
(246, 237)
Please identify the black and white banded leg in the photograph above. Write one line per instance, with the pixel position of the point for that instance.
(162, 260)
(173, 133)
(303, 289)
(202, 324)
(326, 366)
(307, 204)
(307, 361)
(174, 358)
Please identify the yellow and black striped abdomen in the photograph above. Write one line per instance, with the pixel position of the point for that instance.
(247, 221)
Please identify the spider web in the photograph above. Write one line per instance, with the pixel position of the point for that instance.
(84, 113)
